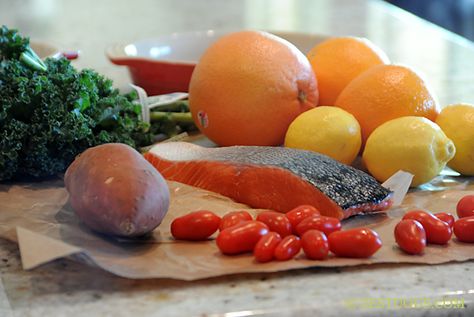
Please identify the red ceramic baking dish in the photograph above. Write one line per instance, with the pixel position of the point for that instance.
(164, 64)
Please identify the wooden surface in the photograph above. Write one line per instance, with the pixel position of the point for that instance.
(68, 288)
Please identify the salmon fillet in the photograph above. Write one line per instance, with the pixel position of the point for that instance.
(275, 178)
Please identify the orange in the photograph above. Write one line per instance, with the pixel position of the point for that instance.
(387, 92)
(337, 61)
(248, 87)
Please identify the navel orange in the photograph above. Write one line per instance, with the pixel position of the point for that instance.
(248, 87)
(387, 92)
(338, 60)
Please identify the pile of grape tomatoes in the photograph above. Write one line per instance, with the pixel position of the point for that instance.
(277, 236)
(418, 227)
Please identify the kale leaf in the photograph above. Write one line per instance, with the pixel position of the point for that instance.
(50, 112)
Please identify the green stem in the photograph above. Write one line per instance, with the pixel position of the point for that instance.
(178, 106)
(178, 117)
(30, 58)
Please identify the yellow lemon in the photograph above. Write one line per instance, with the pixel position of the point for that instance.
(457, 121)
(413, 144)
(327, 130)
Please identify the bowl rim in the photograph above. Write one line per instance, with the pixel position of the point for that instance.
(116, 52)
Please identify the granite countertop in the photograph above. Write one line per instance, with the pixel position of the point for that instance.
(68, 288)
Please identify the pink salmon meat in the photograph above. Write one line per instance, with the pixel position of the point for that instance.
(275, 178)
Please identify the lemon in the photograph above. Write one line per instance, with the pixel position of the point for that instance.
(457, 121)
(326, 130)
(413, 144)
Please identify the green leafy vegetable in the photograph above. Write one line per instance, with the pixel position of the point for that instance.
(50, 112)
(48, 118)
(13, 46)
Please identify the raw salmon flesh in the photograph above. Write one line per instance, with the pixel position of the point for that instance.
(275, 178)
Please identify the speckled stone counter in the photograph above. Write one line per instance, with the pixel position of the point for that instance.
(67, 288)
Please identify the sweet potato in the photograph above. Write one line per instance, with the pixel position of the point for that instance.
(115, 191)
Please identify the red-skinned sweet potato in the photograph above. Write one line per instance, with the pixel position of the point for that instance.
(114, 190)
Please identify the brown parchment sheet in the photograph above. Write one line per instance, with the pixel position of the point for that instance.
(39, 218)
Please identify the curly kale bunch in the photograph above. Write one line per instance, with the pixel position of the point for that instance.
(14, 46)
(50, 112)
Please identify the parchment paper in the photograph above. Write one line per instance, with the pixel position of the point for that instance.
(39, 218)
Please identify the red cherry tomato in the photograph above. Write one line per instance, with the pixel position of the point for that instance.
(234, 217)
(242, 237)
(321, 223)
(464, 229)
(437, 231)
(275, 221)
(287, 248)
(446, 217)
(315, 245)
(296, 215)
(465, 206)
(410, 236)
(265, 247)
(195, 226)
(354, 243)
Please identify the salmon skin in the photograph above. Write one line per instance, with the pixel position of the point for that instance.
(275, 178)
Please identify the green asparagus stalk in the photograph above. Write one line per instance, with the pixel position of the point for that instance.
(177, 117)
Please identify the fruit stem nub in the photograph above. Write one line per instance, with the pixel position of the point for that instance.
(301, 96)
